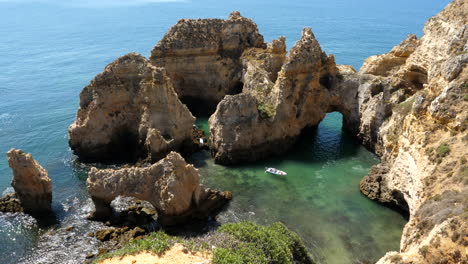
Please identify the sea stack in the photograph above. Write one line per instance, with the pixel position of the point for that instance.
(171, 185)
(31, 182)
(129, 112)
(281, 97)
(202, 57)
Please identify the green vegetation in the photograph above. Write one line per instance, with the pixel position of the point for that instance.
(405, 107)
(424, 250)
(443, 150)
(266, 110)
(238, 243)
(157, 242)
(261, 244)
(395, 259)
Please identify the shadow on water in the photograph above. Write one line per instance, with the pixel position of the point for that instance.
(319, 198)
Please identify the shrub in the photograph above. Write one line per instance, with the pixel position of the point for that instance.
(424, 250)
(395, 259)
(266, 110)
(443, 150)
(262, 244)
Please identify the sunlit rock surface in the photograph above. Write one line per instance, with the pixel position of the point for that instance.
(202, 57)
(130, 111)
(171, 185)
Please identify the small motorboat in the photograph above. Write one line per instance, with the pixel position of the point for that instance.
(275, 171)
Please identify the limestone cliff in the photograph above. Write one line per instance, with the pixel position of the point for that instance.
(276, 106)
(202, 57)
(31, 182)
(130, 111)
(172, 186)
(421, 137)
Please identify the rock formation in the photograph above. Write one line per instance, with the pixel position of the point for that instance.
(130, 111)
(202, 57)
(170, 185)
(31, 182)
(419, 130)
(276, 106)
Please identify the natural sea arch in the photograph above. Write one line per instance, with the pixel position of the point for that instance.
(319, 198)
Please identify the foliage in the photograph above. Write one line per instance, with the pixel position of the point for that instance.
(266, 110)
(262, 244)
(405, 107)
(157, 242)
(395, 259)
(238, 243)
(424, 250)
(443, 150)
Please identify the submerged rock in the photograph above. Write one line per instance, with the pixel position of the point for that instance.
(31, 182)
(130, 111)
(10, 204)
(275, 107)
(202, 57)
(172, 186)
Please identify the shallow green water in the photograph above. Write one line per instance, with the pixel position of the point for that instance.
(319, 198)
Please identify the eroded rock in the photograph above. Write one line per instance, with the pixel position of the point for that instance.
(272, 112)
(202, 57)
(31, 182)
(130, 111)
(422, 140)
(172, 186)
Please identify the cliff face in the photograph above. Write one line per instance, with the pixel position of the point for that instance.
(276, 106)
(130, 111)
(422, 139)
(202, 57)
(31, 182)
(172, 186)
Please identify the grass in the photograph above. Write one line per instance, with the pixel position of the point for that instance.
(266, 110)
(157, 242)
(237, 243)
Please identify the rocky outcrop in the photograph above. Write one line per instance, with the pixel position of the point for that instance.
(275, 107)
(170, 185)
(130, 111)
(421, 137)
(31, 182)
(202, 57)
(10, 204)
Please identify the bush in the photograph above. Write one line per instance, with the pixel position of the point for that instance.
(239, 243)
(262, 244)
(424, 250)
(395, 259)
(266, 110)
(443, 150)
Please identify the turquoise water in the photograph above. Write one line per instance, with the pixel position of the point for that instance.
(51, 49)
(319, 197)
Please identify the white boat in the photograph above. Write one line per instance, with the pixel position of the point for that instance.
(275, 171)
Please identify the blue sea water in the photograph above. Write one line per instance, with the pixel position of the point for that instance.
(51, 49)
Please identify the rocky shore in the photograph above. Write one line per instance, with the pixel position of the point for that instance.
(422, 141)
(408, 106)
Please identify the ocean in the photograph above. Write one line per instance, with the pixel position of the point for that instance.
(51, 49)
